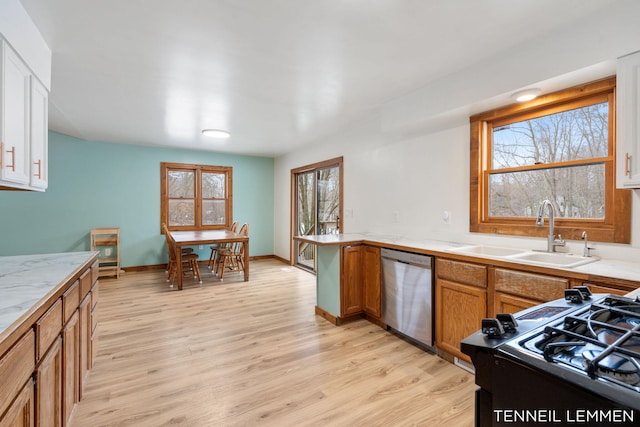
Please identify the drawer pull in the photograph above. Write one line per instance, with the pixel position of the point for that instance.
(13, 158)
(39, 174)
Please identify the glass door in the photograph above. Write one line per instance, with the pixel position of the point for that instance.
(318, 206)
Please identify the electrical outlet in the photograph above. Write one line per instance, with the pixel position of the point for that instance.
(200, 247)
(446, 217)
(107, 252)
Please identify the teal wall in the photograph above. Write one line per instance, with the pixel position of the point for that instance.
(328, 279)
(97, 184)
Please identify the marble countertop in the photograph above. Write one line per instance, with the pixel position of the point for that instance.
(27, 279)
(604, 267)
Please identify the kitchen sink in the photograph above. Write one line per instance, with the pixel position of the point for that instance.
(556, 259)
(546, 259)
(494, 251)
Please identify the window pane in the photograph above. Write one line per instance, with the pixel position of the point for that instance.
(213, 185)
(577, 192)
(181, 212)
(213, 212)
(328, 200)
(581, 133)
(180, 184)
(306, 204)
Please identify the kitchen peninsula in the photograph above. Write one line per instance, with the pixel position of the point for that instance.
(468, 286)
(48, 328)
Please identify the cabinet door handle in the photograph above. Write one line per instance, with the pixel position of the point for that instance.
(627, 164)
(39, 174)
(13, 158)
(1, 154)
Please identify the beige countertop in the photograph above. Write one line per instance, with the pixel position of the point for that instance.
(602, 268)
(27, 280)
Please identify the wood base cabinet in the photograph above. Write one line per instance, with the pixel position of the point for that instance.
(459, 313)
(71, 365)
(372, 281)
(505, 303)
(461, 303)
(49, 388)
(16, 370)
(94, 324)
(43, 371)
(361, 281)
(84, 312)
(351, 281)
(602, 288)
(516, 290)
(348, 283)
(21, 411)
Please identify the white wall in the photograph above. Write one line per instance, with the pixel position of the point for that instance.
(413, 156)
(419, 178)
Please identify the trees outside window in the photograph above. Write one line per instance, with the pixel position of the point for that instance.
(196, 197)
(560, 148)
(317, 202)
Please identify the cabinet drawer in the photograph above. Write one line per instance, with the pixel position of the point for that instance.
(596, 288)
(71, 300)
(532, 286)
(94, 295)
(48, 327)
(95, 272)
(16, 367)
(505, 303)
(462, 272)
(85, 283)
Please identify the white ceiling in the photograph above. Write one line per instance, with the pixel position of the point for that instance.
(277, 74)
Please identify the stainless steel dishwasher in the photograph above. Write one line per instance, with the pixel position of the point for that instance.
(407, 294)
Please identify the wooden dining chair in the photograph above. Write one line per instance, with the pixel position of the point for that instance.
(189, 260)
(232, 257)
(215, 248)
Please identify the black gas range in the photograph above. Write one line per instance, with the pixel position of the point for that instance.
(574, 361)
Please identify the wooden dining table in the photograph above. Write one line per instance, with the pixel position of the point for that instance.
(208, 237)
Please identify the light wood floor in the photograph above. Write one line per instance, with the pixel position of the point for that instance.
(254, 353)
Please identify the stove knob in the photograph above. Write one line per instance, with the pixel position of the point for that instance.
(574, 296)
(585, 291)
(492, 328)
(509, 323)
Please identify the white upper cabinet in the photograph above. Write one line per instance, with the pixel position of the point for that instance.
(25, 78)
(24, 120)
(628, 122)
(14, 118)
(39, 134)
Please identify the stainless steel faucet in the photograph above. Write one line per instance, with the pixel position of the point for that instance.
(587, 248)
(552, 242)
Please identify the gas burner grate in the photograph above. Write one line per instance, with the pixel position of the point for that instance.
(603, 341)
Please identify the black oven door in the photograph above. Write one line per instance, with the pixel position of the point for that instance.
(522, 396)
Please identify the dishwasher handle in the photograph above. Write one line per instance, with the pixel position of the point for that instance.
(419, 260)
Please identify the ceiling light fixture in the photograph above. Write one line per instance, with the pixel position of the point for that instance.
(526, 94)
(216, 133)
